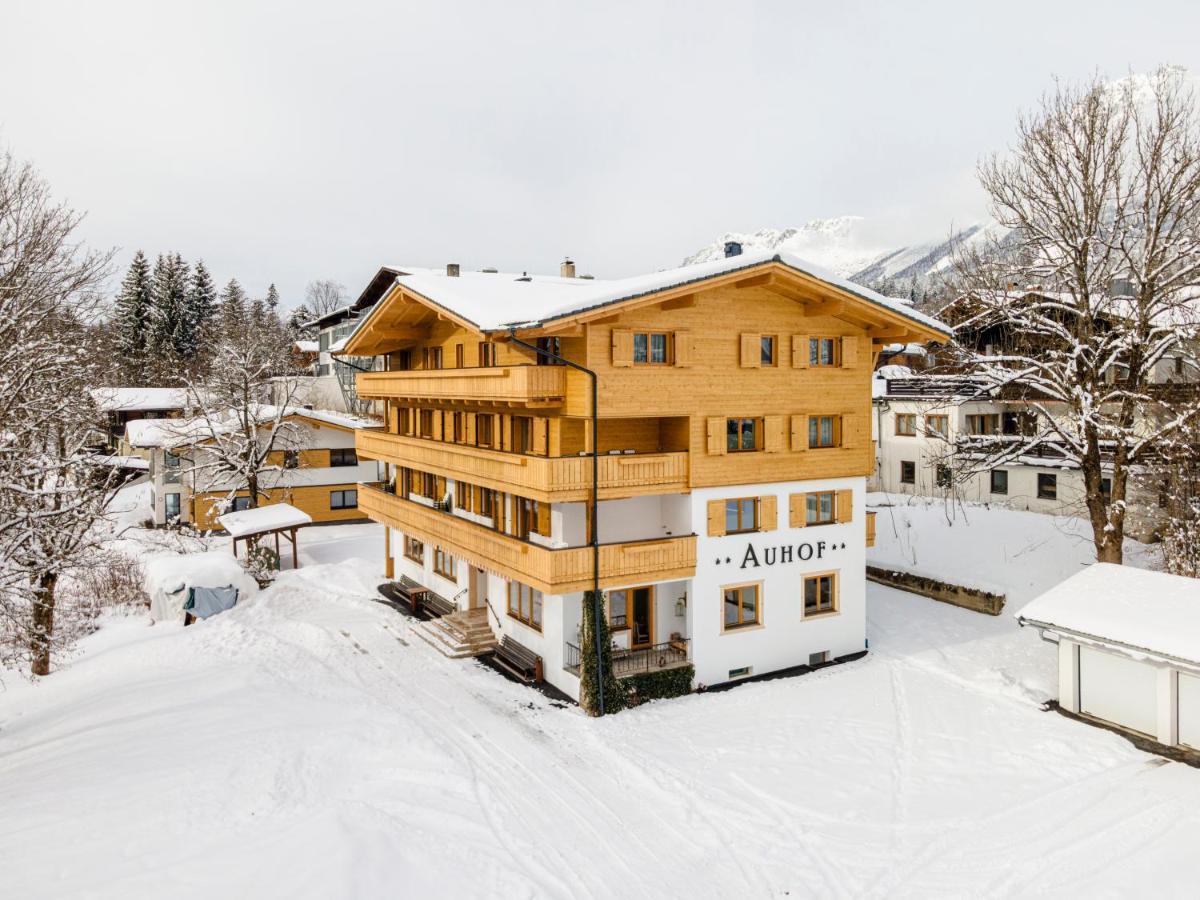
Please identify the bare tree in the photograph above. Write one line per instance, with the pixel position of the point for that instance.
(322, 297)
(53, 492)
(1096, 290)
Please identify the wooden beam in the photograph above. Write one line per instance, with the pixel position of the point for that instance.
(754, 281)
(679, 302)
(828, 308)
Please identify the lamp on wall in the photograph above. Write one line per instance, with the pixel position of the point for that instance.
(681, 606)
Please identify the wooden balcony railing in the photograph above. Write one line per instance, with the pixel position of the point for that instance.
(870, 529)
(523, 385)
(547, 479)
(551, 571)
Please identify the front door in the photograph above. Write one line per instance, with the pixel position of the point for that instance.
(641, 617)
(476, 588)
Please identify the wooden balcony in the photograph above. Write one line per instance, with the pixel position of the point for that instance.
(548, 570)
(870, 529)
(540, 386)
(548, 479)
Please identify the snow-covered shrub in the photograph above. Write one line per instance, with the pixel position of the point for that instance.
(262, 563)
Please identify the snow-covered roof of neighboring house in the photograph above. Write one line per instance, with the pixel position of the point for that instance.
(496, 301)
(910, 349)
(133, 399)
(122, 462)
(308, 346)
(1147, 613)
(332, 316)
(263, 518)
(909, 386)
(149, 433)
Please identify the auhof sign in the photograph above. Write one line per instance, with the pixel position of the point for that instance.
(783, 554)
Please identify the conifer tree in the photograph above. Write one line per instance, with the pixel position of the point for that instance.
(201, 311)
(233, 309)
(273, 299)
(131, 319)
(170, 326)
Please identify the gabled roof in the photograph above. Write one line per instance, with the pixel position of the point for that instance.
(496, 301)
(148, 433)
(136, 399)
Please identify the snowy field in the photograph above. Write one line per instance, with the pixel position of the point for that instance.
(306, 744)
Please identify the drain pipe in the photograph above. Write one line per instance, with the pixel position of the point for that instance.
(597, 611)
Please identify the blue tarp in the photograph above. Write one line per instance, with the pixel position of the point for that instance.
(203, 602)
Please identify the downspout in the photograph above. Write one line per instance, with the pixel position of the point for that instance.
(595, 542)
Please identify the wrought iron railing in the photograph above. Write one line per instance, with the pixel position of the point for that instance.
(571, 657)
(650, 659)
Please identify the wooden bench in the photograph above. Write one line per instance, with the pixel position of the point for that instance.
(437, 605)
(519, 660)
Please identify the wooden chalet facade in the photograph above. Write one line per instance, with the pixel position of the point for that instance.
(734, 433)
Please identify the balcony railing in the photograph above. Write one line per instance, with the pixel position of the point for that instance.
(549, 570)
(550, 479)
(524, 385)
(668, 655)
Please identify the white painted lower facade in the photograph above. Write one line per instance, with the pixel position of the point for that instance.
(692, 609)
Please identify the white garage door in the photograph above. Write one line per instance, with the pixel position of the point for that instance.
(1118, 689)
(1189, 710)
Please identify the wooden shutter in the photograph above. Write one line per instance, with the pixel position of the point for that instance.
(683, 349)
(543, 519)
(845, 505)
(773, 434)
(799, 351)
(716, 518)
(751, 351)
(799, 432)
(852, 430)
(849, 352)
(797, 517)
(439, 487)
(541, 435)
(716, 435)
(768, 513)
(622, 347)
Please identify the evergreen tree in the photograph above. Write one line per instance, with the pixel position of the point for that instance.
(233, 309)
(170, 328)
(273, 300)
(201, 311)
(131, 319)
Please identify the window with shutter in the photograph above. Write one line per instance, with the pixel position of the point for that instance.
(845, 505)
(716, 518)
(799, 432)
(796, 510)
(768, 513)
(716, 435)
(751, 355)
(800, 351)
(849, 352)
(622, 347)
(683, 348)
(773, 434)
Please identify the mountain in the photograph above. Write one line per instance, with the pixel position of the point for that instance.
(838, 244)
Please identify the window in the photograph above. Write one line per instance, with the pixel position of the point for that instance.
(942, 475)
(908, 472)
(425, 423)
(742, 434)
(740, 672)
(983, 423)
(345, 456)
(820, 594)
(347, 499)
(822, 351)
(444, 564)
(618, 609)
(999, 481)
(485, 503)
(460, 356)
(171, 506)
(1047, 486)
(1106, 489)
(240, 503)
(170, 460)
(458, 428)
(741, 606)
(741, 515)
(433, 357)
(906, 424)
(414, 549)
(1018, 423)
(291, 459)
(483, 430)
(423, 484)
(650, 348)
(525, 604)
(820, 508)
(937, 426)
(768, 344)
(403, 360)
(487, 354)
(522, 434)
(532, 518)
(823, 431)
(550, 345)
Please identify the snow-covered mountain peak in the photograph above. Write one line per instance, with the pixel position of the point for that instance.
(836, 243)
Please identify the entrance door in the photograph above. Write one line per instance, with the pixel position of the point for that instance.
(642, 617)
(476, 588)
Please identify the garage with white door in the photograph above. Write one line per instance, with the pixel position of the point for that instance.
(1128, 649)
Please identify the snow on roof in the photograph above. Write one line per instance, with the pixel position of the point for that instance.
(122, 462)
(1152, 612)
(263, 518)
(148, 433)
(129, 399)
(495, 301)
(308, 346)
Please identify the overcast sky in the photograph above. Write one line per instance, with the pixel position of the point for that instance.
(291, 141)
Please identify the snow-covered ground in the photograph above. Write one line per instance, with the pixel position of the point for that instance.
(307, 744)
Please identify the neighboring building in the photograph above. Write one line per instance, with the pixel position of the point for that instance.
(321, 475)
(130, 404)
(1128, 649)
(734, 433)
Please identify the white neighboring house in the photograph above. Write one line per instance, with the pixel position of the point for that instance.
(924, 425)
(331, 381)
(1128, 649)
(130, 404)
(321, 476)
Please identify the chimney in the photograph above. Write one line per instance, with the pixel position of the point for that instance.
(567, 269)
(452, 270)
(732, 248)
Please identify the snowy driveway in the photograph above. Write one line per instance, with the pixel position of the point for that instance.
(306, 746)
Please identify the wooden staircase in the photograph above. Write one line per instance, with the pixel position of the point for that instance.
(460, 634)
